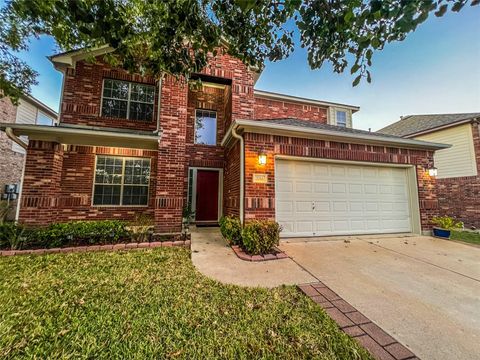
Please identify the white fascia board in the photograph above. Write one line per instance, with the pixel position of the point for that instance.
(257, 126)
(82, 136)
(69, 59)
(283, 97)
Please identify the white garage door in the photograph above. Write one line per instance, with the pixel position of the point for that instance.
(315, 199)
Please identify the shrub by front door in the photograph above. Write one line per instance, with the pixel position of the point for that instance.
(206, 209)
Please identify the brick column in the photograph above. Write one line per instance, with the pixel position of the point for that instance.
(41, 183)
(169, 199)
(259, 198)
(427, 194)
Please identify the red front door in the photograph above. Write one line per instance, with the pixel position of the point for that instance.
(207, 196)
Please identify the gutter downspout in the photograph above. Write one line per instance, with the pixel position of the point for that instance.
(242, 173)
(15, 138)
(159, 106)
(20, 190)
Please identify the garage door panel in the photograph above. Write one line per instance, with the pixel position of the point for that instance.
(340, 206)
(285, 207)
(339, 188)
(302, 186)
(304, 226)
(323, 226)
(355, 188)
(321, 187)
(322, 206)
(370, 189)
(336, 199)
(304, 207)
(284, 186)
(321, 170)
(341, 225)
(303, 169)
(357, 225)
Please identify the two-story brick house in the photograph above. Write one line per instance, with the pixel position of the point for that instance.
(127, 144)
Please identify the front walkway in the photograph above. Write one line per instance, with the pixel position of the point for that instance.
(215, 259)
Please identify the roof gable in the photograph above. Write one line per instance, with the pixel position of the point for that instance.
(414, 124)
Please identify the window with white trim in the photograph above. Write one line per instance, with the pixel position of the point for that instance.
(127, 100)
(121, 181)
(341, 117)
(205, 127)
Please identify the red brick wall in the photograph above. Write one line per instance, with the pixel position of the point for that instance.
(460, 197)
(260, 198)
(81, 102)
(231, 181)
(277, 109)
(11, 162)
(170, 196)
(41, 184)
(241, 98)
(65, 193)
(208, 98)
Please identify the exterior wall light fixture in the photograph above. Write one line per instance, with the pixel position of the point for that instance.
(262, 158)
(432, 170)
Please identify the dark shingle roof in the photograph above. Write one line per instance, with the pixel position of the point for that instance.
(413, 124)
(315, 125)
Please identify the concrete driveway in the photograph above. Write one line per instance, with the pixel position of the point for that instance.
(423, 291)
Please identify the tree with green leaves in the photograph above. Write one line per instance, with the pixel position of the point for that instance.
(175, 36)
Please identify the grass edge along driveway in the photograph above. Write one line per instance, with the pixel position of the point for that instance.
(153, 304)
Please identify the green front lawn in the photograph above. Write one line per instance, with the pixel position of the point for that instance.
(153, 304)
(466, 236)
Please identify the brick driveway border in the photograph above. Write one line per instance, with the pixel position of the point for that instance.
(381, 345)
(115, 247)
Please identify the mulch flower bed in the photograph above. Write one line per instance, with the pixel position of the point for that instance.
(276, 254)
(123, 246)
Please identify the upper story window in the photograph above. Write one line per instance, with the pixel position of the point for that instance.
(205, 127)
(121, 181)
(44, 119)
(127, 100)
(341, 117)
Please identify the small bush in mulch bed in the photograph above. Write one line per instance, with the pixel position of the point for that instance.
(231, 229)
(257, 237)
(76, 233)
(260, 236)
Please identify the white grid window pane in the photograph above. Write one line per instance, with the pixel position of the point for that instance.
(342, 118)
(135, 195)
(205, 127)
(107, 195)
(126, 100)
(121, 181)
(137, 171)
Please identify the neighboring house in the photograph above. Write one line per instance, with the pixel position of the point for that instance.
(458, 180)
(28, 111)
(128, 144)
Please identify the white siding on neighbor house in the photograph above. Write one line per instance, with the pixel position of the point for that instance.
(332, 115)
(26, 114)
(459, 160)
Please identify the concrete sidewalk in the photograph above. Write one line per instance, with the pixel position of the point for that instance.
(215, 259)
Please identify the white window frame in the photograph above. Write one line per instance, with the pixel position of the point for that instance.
(128, 99)
(346, 117)
(195, 127)
(124, 158)
(46, 115)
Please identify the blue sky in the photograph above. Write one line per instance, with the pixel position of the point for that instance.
(435, 70)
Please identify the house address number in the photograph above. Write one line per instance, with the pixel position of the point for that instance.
(260, 178)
